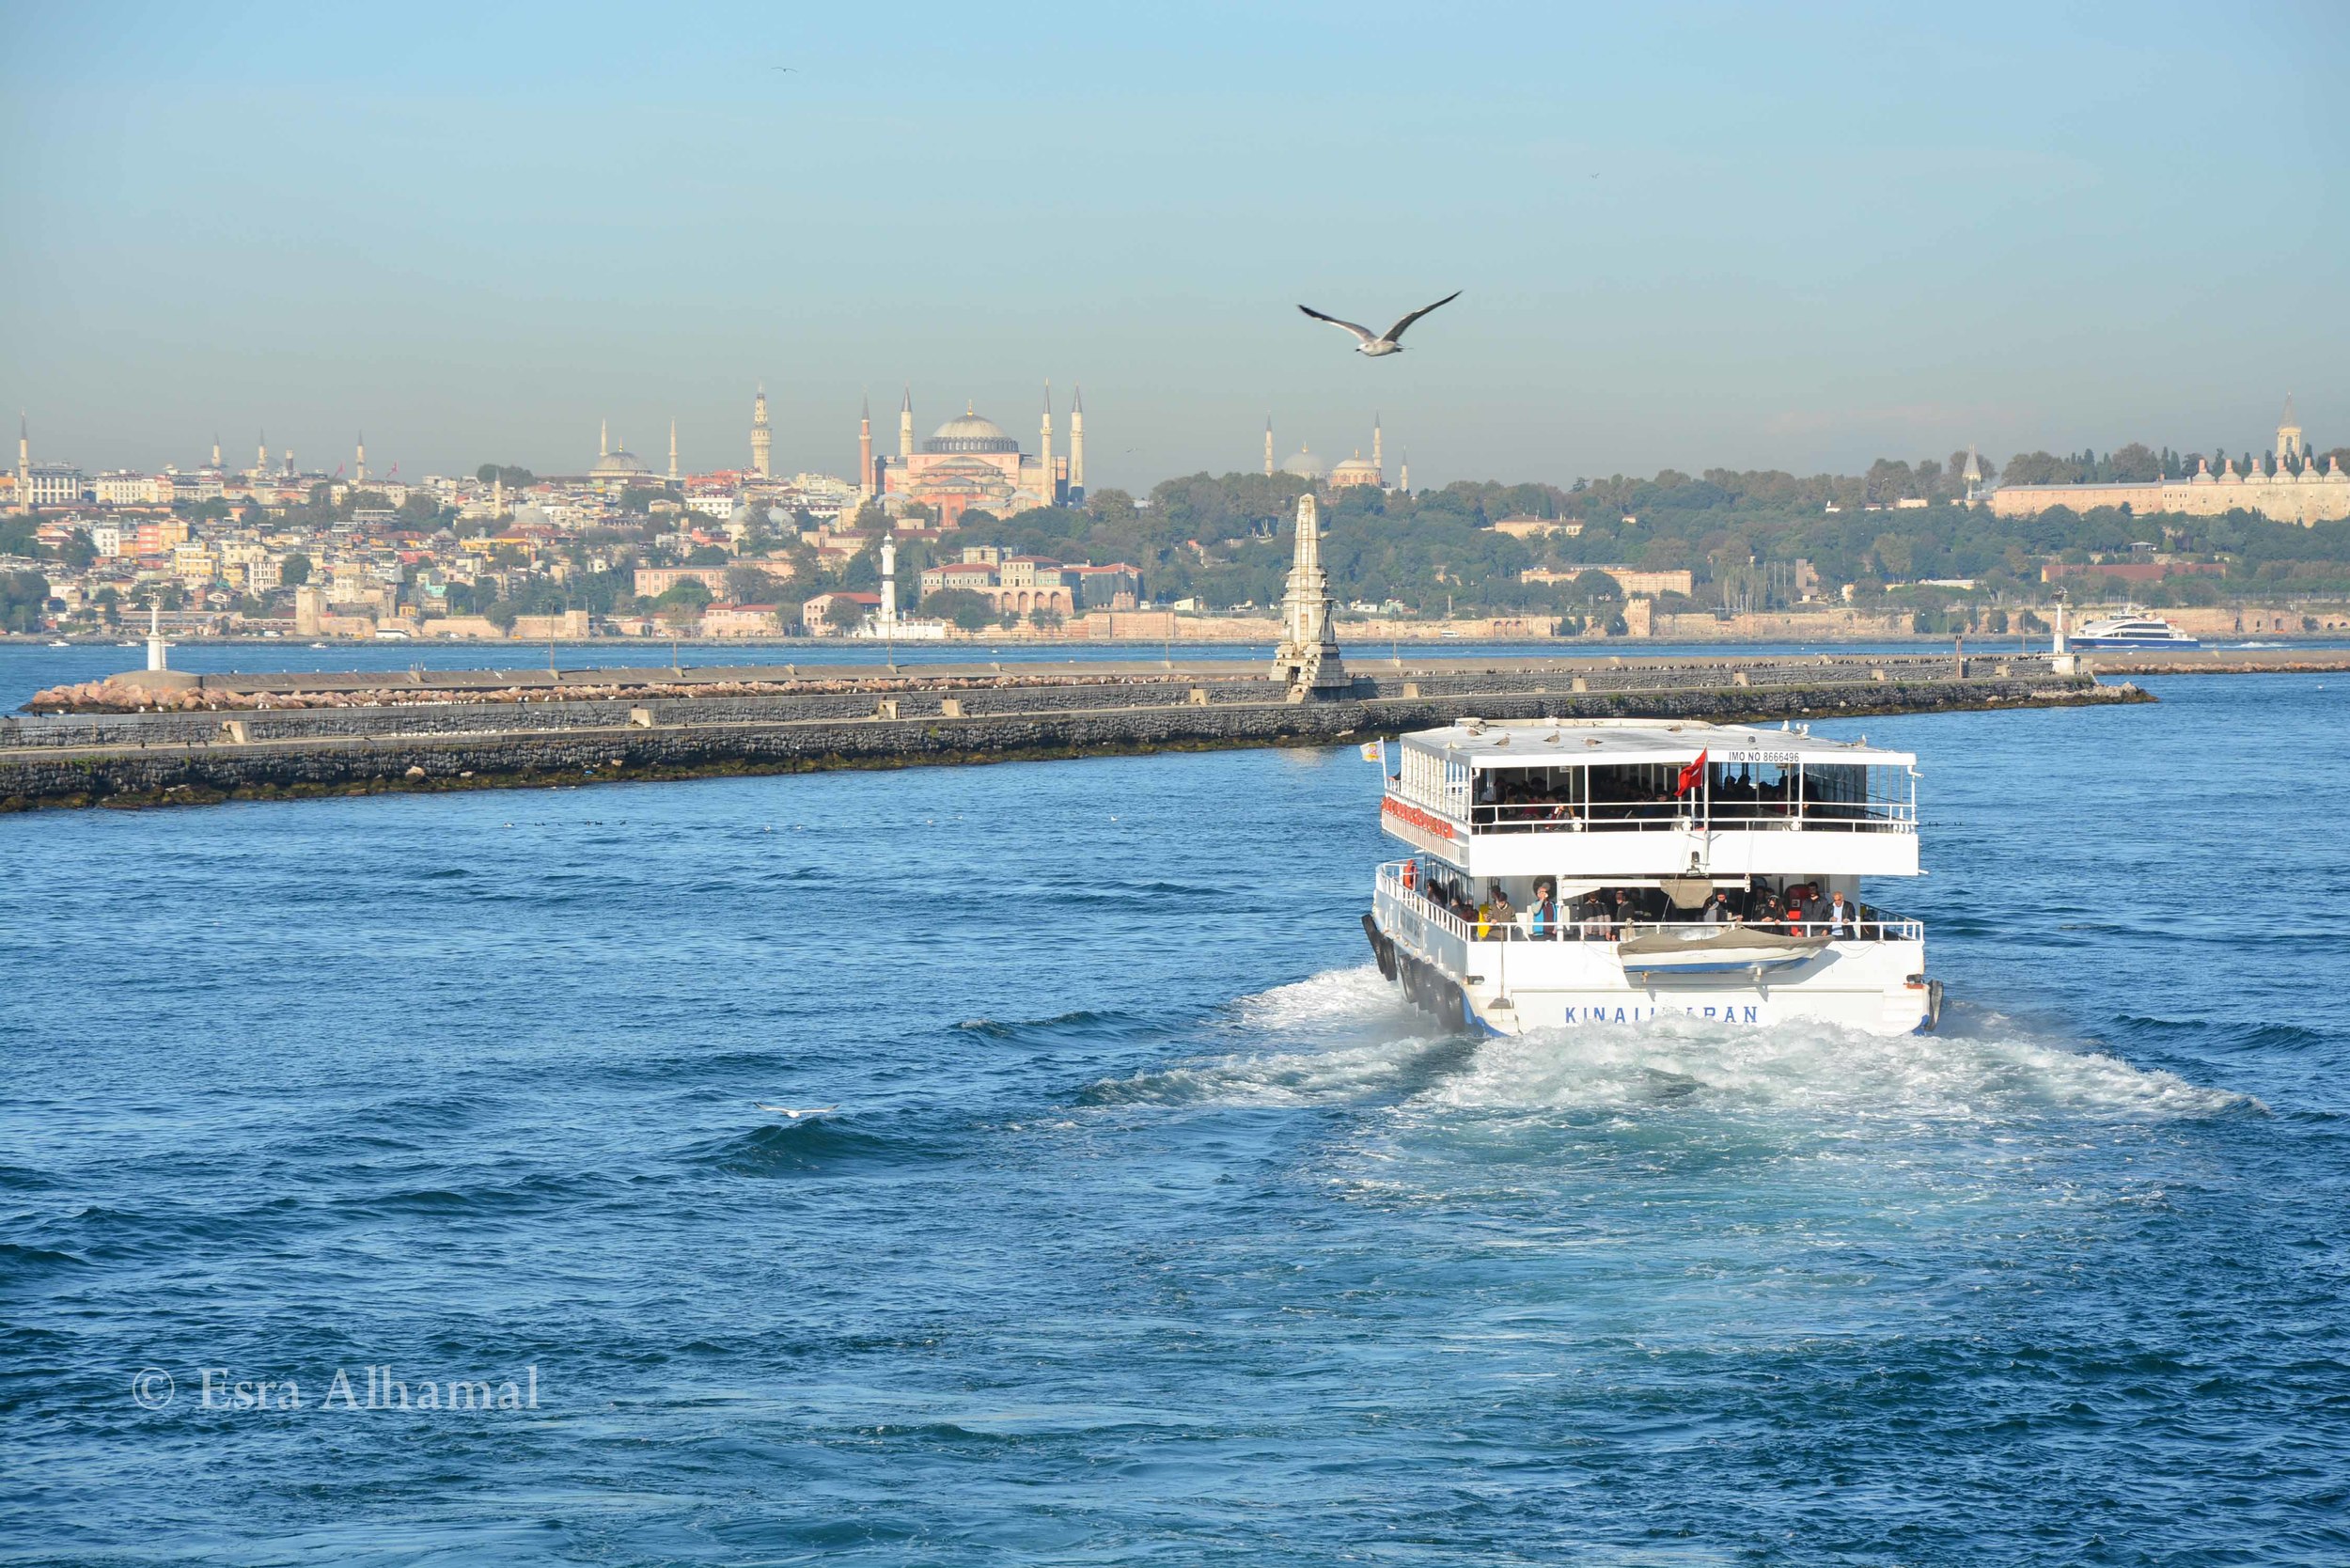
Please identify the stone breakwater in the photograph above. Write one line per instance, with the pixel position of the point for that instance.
(554, 737)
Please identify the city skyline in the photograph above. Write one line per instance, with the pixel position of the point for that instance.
(1810, 240)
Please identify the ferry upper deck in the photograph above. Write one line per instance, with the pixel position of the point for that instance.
(1599, 798)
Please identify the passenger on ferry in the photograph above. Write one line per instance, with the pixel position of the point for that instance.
(1838, 917)
(1498, 915)
(1542, 919)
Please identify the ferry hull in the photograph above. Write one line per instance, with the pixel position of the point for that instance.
(1514, 987)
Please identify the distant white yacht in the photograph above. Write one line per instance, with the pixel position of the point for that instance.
(2130, 628)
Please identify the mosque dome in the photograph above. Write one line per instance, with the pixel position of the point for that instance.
(1303, 463)
(970, 433)
(617, 463)
(1357, 470)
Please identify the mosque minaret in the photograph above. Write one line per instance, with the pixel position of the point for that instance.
(1077, 447)
(1044, 437)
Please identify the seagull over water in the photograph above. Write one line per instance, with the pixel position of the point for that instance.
(1381, 343)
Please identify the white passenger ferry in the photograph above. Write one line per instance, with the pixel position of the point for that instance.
(1578, 870)
(2128, 630)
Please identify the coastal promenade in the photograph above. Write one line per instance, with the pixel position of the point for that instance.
(174, 738)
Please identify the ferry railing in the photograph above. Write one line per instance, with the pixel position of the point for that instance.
(1865, 924)
(1670, 816)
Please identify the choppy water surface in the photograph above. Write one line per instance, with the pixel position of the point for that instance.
(1151, 1227)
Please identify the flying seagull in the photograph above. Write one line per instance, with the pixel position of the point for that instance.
(1381, 343)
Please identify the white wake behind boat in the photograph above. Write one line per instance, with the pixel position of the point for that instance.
(1570, 872)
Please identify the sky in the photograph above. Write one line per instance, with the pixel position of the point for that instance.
(1686, 235)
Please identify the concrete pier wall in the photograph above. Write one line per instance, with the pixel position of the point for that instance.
(158, 757)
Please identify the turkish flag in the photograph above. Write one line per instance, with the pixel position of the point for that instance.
(1691, 776)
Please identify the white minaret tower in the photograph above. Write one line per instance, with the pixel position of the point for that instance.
(261, 456)
(1044, 450)
(1077, 445)
(673, 446)
(359, 463)
(762, 439)
(1309, 655)
(603, 438)
(1404, 475)
(155, 657)
(1378, 464)
(1268, 445)
(23, 464)
(217, 451)
(905, 426)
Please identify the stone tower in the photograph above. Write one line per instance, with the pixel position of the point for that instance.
(2289, 446)
(1268, 445)
(673, 448)
(359, 461)
(1077, 447)
(865, 452)
(1309, 656)
(762, 439)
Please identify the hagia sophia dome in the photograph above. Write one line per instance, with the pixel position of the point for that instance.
(1303, 463)
(970, 433)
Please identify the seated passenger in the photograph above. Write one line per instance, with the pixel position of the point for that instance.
(1500, 911)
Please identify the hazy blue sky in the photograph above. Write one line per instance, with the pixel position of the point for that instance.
(1689, 236)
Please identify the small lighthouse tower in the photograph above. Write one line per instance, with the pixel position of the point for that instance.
(1309, 655)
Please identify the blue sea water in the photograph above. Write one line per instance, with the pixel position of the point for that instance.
(1151, 1227)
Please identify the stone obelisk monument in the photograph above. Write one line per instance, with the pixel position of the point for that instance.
(1309, 656)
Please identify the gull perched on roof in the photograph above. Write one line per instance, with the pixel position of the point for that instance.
(1384, 342)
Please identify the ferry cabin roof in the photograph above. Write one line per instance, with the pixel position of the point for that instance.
(1595, 800)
